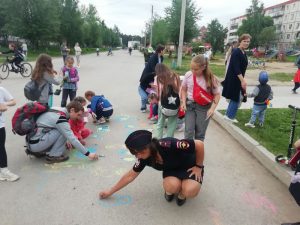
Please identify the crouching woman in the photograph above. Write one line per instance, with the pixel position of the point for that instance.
(181, 163)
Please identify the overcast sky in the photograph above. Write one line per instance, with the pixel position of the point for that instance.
(130, 15)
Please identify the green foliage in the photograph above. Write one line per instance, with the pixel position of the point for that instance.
(42, 22)
(267, 36)
(255, 22)
(215, 35)
(274, 135)
(196, 47)
(160, 32)
(173, 14)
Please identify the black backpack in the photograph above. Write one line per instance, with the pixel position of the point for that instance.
(170, 102)
(33, 90)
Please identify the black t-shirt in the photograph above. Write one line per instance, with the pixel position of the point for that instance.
(176, 154)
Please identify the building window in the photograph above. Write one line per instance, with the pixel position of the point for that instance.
(290, 26)
(298, 24)
(283, 28)
(292, 16)
(288, 36)
(285, 17)
(281, 37)
(287, 7)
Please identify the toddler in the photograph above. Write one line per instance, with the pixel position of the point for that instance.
(153, 100)
(262, 94)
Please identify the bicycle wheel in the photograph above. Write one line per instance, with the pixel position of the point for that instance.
(26, 69)
(4, 71)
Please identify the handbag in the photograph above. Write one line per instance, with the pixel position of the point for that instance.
(201, 96)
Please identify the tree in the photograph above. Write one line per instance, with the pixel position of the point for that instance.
(159, 30)
(215, 35)
(173, 15)
(36, 21)
(267, 36)
(71, 22)
(255, 22)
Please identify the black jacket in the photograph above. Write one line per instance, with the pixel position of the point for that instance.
(149, 71)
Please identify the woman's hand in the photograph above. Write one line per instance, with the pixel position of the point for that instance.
(197, 172)
(104, 194)
(93, 156)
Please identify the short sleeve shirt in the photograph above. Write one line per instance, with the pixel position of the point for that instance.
(5, 96)
(188, 82)
(176, 154)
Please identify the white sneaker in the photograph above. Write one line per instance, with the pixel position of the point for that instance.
(5, 174)
(250, 125)
(143, 111)
(231, 120)
(102, 120)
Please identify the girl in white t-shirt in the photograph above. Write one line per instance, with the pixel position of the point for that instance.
(5, 100)
(197, 116)
(77, 54)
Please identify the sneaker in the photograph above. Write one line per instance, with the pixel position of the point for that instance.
(153, 118)
(261, 124)
(231, 120)
(35, 154)
(294, 92)
(106, 119)
(5, 174)
(250, 125)
(102, 120)
(56, 159)
(143, 110)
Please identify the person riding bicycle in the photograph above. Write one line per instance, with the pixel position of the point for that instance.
(17, 58)
(109, 51)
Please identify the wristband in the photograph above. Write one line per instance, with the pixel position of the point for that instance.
(201, 167)
(87, 153)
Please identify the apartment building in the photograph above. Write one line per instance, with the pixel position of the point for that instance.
(286, 17)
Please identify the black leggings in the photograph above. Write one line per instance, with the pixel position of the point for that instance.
(65, 93)
(3, 156)
(297, 85)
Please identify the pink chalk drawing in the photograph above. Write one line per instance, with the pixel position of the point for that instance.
(259, 201)
(216, 218)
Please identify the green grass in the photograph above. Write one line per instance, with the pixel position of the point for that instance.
(218, 70)
(274, 135)
(291, 58)
(281, 76)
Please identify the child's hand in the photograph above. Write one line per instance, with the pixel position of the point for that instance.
(94, 115)
(3, 107)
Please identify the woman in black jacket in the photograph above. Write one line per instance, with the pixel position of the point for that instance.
(235, 84)
(148, 75)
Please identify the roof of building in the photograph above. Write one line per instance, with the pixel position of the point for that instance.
(280, 4)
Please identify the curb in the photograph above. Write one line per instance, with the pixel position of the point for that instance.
(266, 158)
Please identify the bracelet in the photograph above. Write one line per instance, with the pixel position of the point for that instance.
(199, 166)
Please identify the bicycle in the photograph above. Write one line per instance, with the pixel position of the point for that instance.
(25, 69)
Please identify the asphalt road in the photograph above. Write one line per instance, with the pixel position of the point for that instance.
(237, 190)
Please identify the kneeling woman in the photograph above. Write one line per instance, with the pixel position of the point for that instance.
(180, 160)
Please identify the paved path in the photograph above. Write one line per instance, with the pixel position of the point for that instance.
(237, 190)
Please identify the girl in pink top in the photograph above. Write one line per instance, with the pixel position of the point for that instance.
(197, 116)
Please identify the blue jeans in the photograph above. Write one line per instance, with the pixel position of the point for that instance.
(260, 111)
(232, 109)
(144, 98)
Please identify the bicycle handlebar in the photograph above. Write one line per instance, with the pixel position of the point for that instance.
(294, 107)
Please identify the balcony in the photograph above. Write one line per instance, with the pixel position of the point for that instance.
(276, 14)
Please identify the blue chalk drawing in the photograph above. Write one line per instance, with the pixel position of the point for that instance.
(116, 200)
(103, 128)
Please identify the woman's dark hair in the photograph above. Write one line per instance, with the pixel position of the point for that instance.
(153, 146)
(159, 48)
